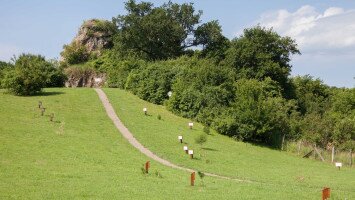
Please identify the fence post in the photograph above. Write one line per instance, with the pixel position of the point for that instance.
(351, 158)
(283, 141)
(299, 147)
(333, 151)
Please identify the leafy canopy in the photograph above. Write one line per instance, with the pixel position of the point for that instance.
(261, 53)
(30, 74)
(163, 32)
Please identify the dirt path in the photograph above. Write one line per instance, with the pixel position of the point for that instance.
(133, 141)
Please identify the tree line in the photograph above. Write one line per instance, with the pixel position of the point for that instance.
(240, 87)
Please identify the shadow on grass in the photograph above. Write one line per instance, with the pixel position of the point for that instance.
(209, 149)
(48, 93)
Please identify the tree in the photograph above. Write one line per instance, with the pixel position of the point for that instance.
(258, 113)
(155, 33)
(312, 95)
(261, 53)
(30, 74)
(209, 35)
(201, 90)
(4, 66)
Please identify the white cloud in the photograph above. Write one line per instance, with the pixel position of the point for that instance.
(331, 30)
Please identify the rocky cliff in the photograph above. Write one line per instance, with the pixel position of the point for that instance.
(95, 35)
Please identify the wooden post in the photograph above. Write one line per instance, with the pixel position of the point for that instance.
(351, 157)
(325, 193)
(282, 144)
(43, 110)
(299, 147)
(192, 179)
(319, 154)
(333, 151)
(51, 117)
(147, 165)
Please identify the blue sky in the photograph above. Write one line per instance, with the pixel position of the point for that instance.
(324, 29)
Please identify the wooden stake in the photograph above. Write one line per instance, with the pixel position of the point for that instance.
(333, 152)
(282, 144)
(299, 147)
(320, 155)
(42, 111)
(351, 157)
(51, 117)
(192, 179)
(325, 193)
(147, 165)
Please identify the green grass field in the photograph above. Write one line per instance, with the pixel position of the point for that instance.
(82, 156)
(222, 155)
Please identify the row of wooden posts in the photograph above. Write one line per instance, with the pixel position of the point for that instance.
(192, 176)
(185, 148)
(43, 109)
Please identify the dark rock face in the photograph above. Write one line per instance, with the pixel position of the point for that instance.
(84, 78)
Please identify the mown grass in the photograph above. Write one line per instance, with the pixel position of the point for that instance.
(82, 156)
(224, 156)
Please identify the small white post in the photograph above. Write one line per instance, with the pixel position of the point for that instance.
(191, 125)
(145, 111)
(186, 149)
(180, 138)
(191, 153)
(338, 165)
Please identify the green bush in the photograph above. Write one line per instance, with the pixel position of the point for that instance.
(201, 139)
(30, 74)
(206, 130)
(152, 83)
(258, 113)
(75, 53)
(201, 90)
(4, 67)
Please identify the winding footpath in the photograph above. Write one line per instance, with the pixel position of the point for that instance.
(133, 141)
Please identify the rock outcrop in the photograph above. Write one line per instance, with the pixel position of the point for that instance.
(78, 77)
(95, 35)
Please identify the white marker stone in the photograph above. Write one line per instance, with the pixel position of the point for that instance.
(170, 93)
(191, 152)
(185, 148)
(191, 124)
(144, 109)
(338, 164)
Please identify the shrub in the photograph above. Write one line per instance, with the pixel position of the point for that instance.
(75, 53)
(206, 129)
(152, 83)
(201, 139)
(30, 74)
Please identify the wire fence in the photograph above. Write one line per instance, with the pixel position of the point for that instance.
(329, 154)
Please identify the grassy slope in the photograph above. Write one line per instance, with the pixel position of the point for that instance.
(225, 156)
(82, 156)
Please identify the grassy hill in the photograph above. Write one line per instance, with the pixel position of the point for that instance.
(224, 156)
(82, 156)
